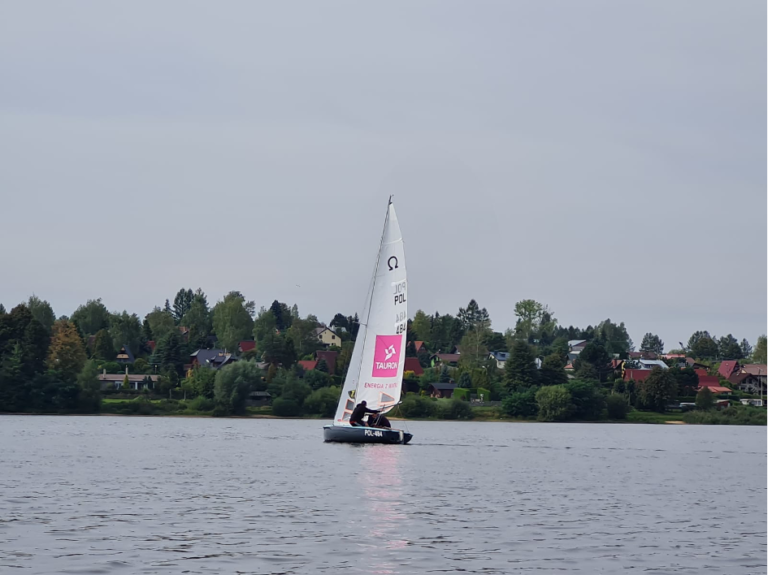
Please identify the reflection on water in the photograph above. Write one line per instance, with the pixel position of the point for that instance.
(201, 496)
(382, 488)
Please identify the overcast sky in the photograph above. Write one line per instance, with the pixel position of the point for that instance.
(605, 158)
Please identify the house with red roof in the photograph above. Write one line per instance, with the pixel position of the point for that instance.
(420, 347)
(728, 368)
(412, 364)
(750, 378)
(307, 364)
(713, 383)
(701, 372)
(246, 345)
(636, 374)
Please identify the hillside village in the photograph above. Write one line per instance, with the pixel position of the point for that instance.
(289, 361)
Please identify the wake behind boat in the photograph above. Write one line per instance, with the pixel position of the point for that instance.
(375, 373)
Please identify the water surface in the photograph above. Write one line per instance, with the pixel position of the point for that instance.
(197, 495)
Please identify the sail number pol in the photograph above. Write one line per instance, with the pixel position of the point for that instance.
(399, 292)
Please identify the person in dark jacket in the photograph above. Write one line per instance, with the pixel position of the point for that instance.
(356, 419)
(379, 421)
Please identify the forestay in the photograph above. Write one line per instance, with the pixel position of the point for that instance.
(375, 372)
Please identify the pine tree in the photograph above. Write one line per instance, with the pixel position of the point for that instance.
(465, 381)
(103, 347)
(552, 371)
(445, 375)
(2, 309)
(181, 303)
(520, 368)
(322, 365)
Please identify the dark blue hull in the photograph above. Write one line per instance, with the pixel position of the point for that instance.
(343, 434)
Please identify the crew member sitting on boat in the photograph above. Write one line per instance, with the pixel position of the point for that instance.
(356, 419)
(379, 421)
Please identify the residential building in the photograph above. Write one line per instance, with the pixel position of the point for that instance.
(135, 381)
(246, 345)
(650, 363)
(575, 347)
(501, 358)
(327, 336)
(636, 374)
(751, 378)
(420, 347)
(125, 355)
(330, 359)
(307, 364)
(728, 368)
(412, 364)
(444, 359)
(213, 358)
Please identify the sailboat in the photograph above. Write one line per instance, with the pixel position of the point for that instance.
(375, 373)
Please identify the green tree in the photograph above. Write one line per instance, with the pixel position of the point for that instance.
(322, 366)
(473, 316)
(465, 381)
(528, 314)
(14, 386)
(181, 303)
(657, 389)
(2, 309)
(170, 350)
(91, 317)
(554, 403)
(521, 403)
(652, 342)
(42, 311)
(587, 400)
(66, 354)
(701, 345)
(520, 368)
(617, 406)
(278, 350)
(445, 375)
(595, 356)
(197, 320)
(232, 320)
(160, 323)
(746, 348)
(422, 326)
(125, 329)
(202, 381)
(473, 350)
(233, 384)
(729, 348)
(553, 371)
(301, 333)
(317, 379)
(103, 347)
(759, 353)
(705, 400)
(322, 401)
(614, 337)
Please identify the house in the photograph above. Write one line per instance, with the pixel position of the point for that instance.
(690, 362)
(710, 381)
(125, 355)
(412, 364)
(575, 347)
(213, 358)
(500, 357)
(636, 374)
(256, 398)
(441, 389)
(135, 381)
(717, 390)
(701, 372)
(307, 364)
(444, 359)
(246, 345)
(651, 363)
(330, 359)
(728, 368)
(326, 336)
(420, 347)
(751, 378)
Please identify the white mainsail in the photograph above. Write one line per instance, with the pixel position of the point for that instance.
(375, 371)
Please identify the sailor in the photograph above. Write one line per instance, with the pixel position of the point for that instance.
(379, 421)
(356, 419)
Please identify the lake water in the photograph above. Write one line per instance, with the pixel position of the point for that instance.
(183, 495)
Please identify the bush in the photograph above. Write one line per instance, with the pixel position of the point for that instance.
(417, 406)
(521, 403)
(587, 400)
(617, 406)
(455, 409)
(323, 401)
(286, 407)
(704, 399)
(486, 393)
(554, 402)
(461, 394)
(201, 403)
(730, 416)
(233, 383)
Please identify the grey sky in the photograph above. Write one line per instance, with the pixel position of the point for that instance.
(605, 158)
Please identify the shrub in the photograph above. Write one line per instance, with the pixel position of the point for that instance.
(322, 401)
(417, 406)
(286, 407)
(486, 393)
(455, 409)
(586, 398)
(461, 394)
(705, 400)
(521, 403)
(201, 403)
(617, 406)
(554, 402)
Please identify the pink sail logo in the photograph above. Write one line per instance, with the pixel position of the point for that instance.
(386, 357)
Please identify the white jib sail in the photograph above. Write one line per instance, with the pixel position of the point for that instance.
(375, 371)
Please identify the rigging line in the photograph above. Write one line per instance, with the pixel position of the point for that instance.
(370, 299)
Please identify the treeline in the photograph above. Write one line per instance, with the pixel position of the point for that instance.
(50, 364)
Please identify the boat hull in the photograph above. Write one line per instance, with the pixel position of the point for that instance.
(343, 434)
